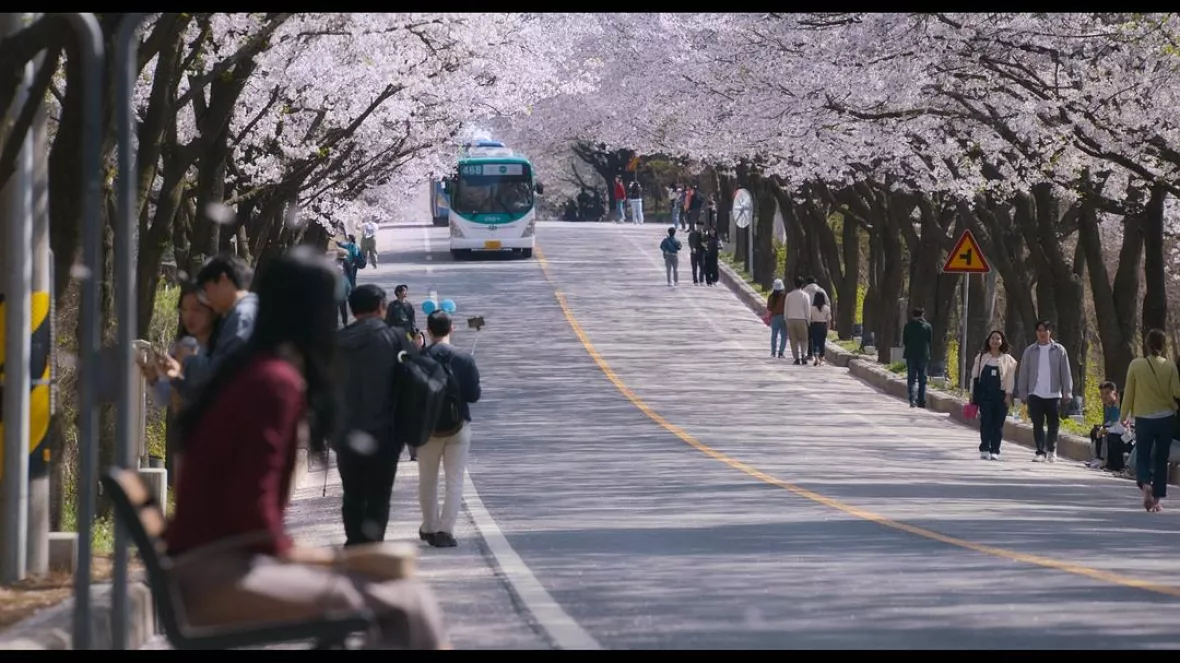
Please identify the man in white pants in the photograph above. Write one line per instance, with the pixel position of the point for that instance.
(449, 444)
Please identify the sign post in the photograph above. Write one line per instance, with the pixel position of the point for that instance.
(967, 259)
(743, 217)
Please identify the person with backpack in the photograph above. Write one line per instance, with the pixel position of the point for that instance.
(368, 453)
(670, 247)
(451, 439)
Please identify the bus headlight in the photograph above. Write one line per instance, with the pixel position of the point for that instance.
(455, 231)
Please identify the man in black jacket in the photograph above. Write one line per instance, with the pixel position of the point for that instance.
(401, 311)
(448, 448)
(367, 455)
(696, 254)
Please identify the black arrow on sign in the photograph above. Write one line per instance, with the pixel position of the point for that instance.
(966, 256)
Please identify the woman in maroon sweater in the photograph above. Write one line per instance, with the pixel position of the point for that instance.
(235, 561)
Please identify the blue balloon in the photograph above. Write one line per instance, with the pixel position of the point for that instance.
(448, 305)
(428, 306)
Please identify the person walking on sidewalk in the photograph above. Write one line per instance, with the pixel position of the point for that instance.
(1045, 383)
(819, 317)
(797, 312)
(670, 247)
(369, 242)
(992, 379)
(775, 304)
(635, 198)
(696, 254)
(915, 340)
(1153, 387)
(367, 455)
(712, 256)
(450, 443)
(620, 200)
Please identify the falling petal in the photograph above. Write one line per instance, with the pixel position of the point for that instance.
(219, 213)
(181, 275)
(293, 220)
(372, 530)
(66, 360)
(80, 271)
(361, 443)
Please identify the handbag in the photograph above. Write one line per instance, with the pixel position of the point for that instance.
(766, 318)
(970, 410)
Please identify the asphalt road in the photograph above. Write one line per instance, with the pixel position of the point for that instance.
(669, 485)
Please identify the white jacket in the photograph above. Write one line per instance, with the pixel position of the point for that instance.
(798, 305)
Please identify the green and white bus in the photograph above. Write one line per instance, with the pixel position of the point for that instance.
(492, 201)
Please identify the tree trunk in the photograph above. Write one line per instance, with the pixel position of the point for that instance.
(1114, 304)
(894, 209)
(1155, 278)
(993, 227)
(764, 265)
(1060, 294)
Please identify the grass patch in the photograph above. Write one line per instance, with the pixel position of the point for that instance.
(898, 367)
(740, 269)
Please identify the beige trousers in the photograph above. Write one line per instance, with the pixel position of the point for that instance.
(797, 331)
(450, 452)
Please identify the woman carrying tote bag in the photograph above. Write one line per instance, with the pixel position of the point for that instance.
(992, 381)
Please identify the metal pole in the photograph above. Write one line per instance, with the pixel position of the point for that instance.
(18, 296)
(38, 543)
(125, 71)
(965, 381)
(91, 51)
(750, 249)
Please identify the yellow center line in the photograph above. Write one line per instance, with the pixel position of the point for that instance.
(687, 438)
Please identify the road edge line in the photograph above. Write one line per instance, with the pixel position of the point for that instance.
(562, 629)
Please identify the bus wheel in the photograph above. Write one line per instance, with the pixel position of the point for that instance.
(528, 253)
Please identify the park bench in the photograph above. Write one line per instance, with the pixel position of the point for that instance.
(136, 507)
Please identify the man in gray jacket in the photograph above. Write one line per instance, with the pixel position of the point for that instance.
(367, 455)
(1045, 383)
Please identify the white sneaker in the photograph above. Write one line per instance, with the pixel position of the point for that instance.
(983, 455)
(995, 456)
(1052, 457)
(1039, 458)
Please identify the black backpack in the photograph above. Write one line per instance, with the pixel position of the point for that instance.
(450, 416)
(359, 260)
(420, 386)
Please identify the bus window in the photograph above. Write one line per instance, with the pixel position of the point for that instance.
(496, 194)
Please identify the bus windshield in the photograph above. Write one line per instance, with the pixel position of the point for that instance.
(509, 193)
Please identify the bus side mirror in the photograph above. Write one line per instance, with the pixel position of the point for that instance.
(540, 188)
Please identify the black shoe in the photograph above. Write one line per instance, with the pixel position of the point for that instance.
(444, 540)
(428, 538)
(798, 363)
(913, 404)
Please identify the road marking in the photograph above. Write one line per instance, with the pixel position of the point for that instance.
(562, 629)
(687, 438)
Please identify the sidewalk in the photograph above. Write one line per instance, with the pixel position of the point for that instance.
(481, 612)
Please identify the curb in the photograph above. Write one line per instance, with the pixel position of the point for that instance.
(52, 628)
(889, 383)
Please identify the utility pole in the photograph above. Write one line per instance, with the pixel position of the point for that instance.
(42, 345)
(17, 210)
